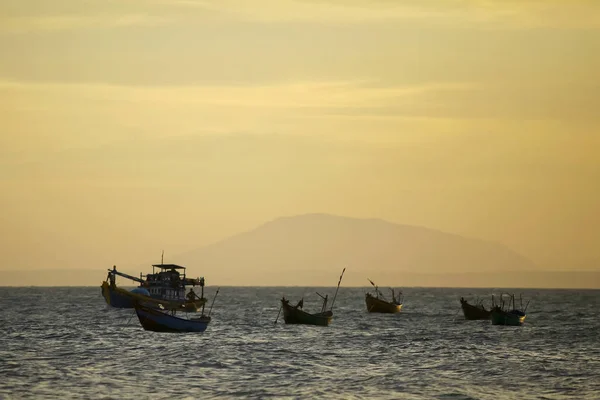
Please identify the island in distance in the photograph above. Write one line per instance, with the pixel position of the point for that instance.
(310, 250)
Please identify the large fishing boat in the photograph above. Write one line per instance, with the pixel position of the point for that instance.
(167, 286)
(295, 314)
(474, 312)
(378, 304)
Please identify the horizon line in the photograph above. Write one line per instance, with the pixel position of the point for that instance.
(341, 287)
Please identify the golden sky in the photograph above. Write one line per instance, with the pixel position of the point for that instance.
(132, 126)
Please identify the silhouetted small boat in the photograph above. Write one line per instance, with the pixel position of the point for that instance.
(474, 312)
(510, 316)
(295, 314)
(377, 304)
(160, 321)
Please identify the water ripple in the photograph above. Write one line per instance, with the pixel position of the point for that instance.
(65, 342)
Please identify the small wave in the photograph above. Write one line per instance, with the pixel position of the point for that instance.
(426, 351)
(455, 396)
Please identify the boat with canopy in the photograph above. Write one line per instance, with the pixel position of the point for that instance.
(166, 285)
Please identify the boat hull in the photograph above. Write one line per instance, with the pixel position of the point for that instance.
(120, 298)
(117, 297)
(472, 312)
(293, 315)
(509, 318)
(376, 305)
(158, 321)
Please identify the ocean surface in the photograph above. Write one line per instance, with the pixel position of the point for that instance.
(67, 343)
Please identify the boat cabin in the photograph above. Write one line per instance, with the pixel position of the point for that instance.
(168, 283)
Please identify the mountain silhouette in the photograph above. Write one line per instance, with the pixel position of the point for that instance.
(312, 249)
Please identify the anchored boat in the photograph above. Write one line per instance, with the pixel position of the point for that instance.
(296, 315)
(378, 304)
(162, 321)
(474, 312)
(167, 285)
(510, 316)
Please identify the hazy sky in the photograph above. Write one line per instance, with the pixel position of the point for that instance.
(132, 126)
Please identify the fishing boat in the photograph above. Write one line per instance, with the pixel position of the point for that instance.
(510, 318)
(296, 314)
(510, 315)
(474, 312)
(160, 320)
(378, 304)
(167, 286)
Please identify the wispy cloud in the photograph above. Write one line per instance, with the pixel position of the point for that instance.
(60, 115)
(276, 96)
(481, 14)
(541, 13)
(73, 22)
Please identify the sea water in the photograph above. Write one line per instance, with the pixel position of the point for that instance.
(67, 343)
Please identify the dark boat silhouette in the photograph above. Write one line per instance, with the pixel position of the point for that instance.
(473, 312)
(296, 314)
(510, 315)
(160, 321)
(378, 304)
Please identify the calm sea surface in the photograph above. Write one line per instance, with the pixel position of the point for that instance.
(67, 343)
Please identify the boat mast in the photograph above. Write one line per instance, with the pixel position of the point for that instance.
(324, 306)
(202, 294)
(213, 303)
(161, 262)
(521, 299)
(375, 286)
(338, 288)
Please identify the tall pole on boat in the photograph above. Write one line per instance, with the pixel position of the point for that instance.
(213, 302)
(279, 312)
(338, 288)
(162, 256)
(375, 286)
(202, 294)
(521, 300)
